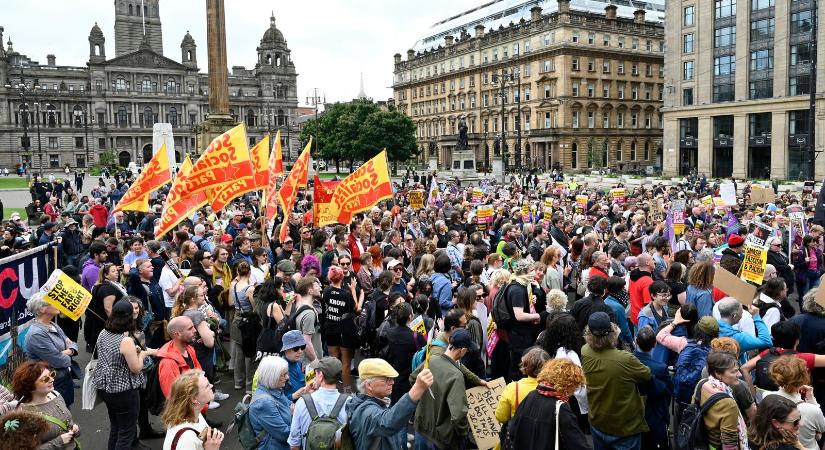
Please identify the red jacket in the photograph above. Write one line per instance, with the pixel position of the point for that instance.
(51, 211)
(172, 364)
(355, 252)
(597, 272)
(639, 291)
(100, 215)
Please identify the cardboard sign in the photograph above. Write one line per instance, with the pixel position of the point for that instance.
(416, 199)
(481, 413)
(762, 195)
(728, 193)
(733, 286)
(66, 295)
(819, 298)
(753, 265)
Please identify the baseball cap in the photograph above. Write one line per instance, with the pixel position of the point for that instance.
(392, 264)
(375, 367)
(599, 324)
(461, 338)
(330, 367)
(48, 225)
(292, 339)
(226, 238)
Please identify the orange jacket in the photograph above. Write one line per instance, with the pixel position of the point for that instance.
(172, 364)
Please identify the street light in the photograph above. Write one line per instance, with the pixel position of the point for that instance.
(78, 113)
(25, 91)
(316, 96)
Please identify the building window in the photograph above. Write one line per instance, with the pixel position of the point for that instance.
(576, 119)
(122, 117)
(634, 92)
(725, 8)
(800, 53)
(724, 65)
(634, 44)
(78, 142)
(762, 29)
(575, 64)
(647, 150)
(649, 70)
(618, 151)
(632, 151)
(52, 142)
(591, 38)
(101, 143)
(724, 37)
(605, 120)
(648, 122)
(54, 161)
(762, 59)
(621, 91)
(547, 120)
(799, 85)
(723, 92)
(606, 40)
(634, 69)
(620, 119)
(172, 117)
(687, 16)
(761, 89)
(527, 94)
(761, 4)
(591, 90)
(605, 66)
(606, 91)
(591, 65)
(575, 37)
(574, 155)
(687, 43)
(687, 97)
(801, 22)
(591, 119)
(798, 122)
(634, 120)
(546, 90)
(120, 84)
(575, 88)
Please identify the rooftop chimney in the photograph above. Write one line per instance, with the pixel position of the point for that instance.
(50, 60)
(639, 16)
(564, 6)
(448, 40)
(610, 12)
(535, 13)
(410, 54)
(479, 30)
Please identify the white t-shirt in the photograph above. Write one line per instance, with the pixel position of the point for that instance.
(166, 281)
(188, 440)
(581, 392)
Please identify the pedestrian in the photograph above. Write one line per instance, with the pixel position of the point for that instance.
(33, 384)
(270, 411)
(323, 401)
(723, 421)
(186, 426)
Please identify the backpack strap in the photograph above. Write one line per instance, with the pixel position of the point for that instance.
(179, 433)
(310, 404)
(339, 405)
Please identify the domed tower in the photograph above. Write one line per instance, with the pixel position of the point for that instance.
(97, 45)
(273, 53)
(188, 53)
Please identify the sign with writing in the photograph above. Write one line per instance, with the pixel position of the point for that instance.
(707, 200)
(416, 199)
(481, 413)
(309, 376)
(548, 208)
(733, 286)
(619, 195)
(581, 203)
(484, 216)
(758, 238)
(753, 264)
(418, 325)
(478, 195)
(762, 195)
(525, 213)
(728, 193)
(796, 217)
(678, 209)
(65, 294)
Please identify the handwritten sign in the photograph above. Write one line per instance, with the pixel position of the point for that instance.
(66, 295)
(416, 199)
(525, 213)
(728, 193)
(482, 402)
(762, 195)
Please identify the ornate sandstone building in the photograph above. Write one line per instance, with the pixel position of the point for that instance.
(113, 102)
(582, 85)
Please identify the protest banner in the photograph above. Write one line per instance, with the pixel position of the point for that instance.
(418, 326)
(619, 195)
(796, 217)
(309, 377)
(525, 213)
(678, 210)
(707, 200)
(288, 192)
(21, 276)
(733, 286)
(362, 189)
(321, 197)
(65, 294)
(548, 208)
(226, 159)
(484, 216)
(481, 413)
(758, 238)
(155, 174)
(727, 191)
(179, 203)
(760, 195)
(478, 195)
(276, 169)
(581, 203)
(753, 265)
(434, 198)
(559, 185)
(220, 196)
(416, 199)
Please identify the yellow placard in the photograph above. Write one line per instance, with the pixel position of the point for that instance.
(581, 203)
(753, 264)
(66, 295)
(309, 376)
(478, 195)
(707, 200)
(619, 195)
(484, 216)
(418, 326)
(548, 208)
(416, 199)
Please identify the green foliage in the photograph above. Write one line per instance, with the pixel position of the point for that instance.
(359, 130)
(108, 159)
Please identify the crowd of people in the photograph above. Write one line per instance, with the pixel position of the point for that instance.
(606, 328)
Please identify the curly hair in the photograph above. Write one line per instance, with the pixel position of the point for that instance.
(178, 407)
(562, 332)
(24, 436)
(725, 344)
(790, 373)
(562, 374)
(556, 301)
(24, 380)
(308, 263)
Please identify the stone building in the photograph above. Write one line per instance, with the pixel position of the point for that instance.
(583, 77)
(113, 103)
(738, 82)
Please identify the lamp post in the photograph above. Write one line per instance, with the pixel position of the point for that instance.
(78, 114)
(501, 82)
(316, 96)
(486, 154)
(25, 91)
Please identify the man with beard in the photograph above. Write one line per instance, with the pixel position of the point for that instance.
(177, 355)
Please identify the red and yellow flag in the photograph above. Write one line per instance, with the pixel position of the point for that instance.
(321, 197)
(220, 196)
(154, 175)
(180, 203)
(296, 179)
(225, 160)
(361, 190)
(275, 162)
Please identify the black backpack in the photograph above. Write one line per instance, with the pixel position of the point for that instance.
(763, 377)
(502, 310)
(691, 433)
(274, 341)
(154, 398)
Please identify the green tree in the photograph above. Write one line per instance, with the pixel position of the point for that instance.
(358, 130)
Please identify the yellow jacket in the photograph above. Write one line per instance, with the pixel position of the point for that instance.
(508, 403)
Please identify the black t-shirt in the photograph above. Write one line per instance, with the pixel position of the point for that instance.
(337, 302)
(106, 289)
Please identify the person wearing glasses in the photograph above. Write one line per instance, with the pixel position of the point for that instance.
(340, 304)
(794, 380)
(654, 314)
(292, 350)
(33, 384)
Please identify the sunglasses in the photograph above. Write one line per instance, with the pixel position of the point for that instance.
(396, 269)
(49, 377)
(287, 242)
(794, 422)
(346, 264)
(300, 348)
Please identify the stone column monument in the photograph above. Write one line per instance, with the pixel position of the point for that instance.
(218, 120)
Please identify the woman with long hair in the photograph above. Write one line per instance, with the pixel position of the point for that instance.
(404, 343)
(33, 385)
(678, 289)
(241, 299)
(182, 416)
(119, 374)
(700, 287)
(793, 378)
(260, 265)
(776, 425)
(106, 291)
(425, 266)
(465, 300)
(553, 275)
(340, 303)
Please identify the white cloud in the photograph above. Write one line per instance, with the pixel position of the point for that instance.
(332, 42)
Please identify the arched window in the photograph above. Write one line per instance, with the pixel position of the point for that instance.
(633, 151)
(146, 11)
(171, 86)
(97, 50)
(120, 84)
(574, 155)
(77, 116)
(131, 12)
(250, 118)
(281, 118)
(122, 117)
(268, 60)
(189, 55)
(51, 116)
(148, 117)
(172, 117)
(278, 60)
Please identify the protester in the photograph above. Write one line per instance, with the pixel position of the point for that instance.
(723, 421)
(324, 401)
(777, 425)
(33, 384)
(514, 393)
(186, 427)
(791, 374)
(270, 410)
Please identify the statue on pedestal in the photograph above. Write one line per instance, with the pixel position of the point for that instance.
(462, 134)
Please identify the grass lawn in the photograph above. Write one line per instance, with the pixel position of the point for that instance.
(13, 182)
(331, 175)
(7, 212)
